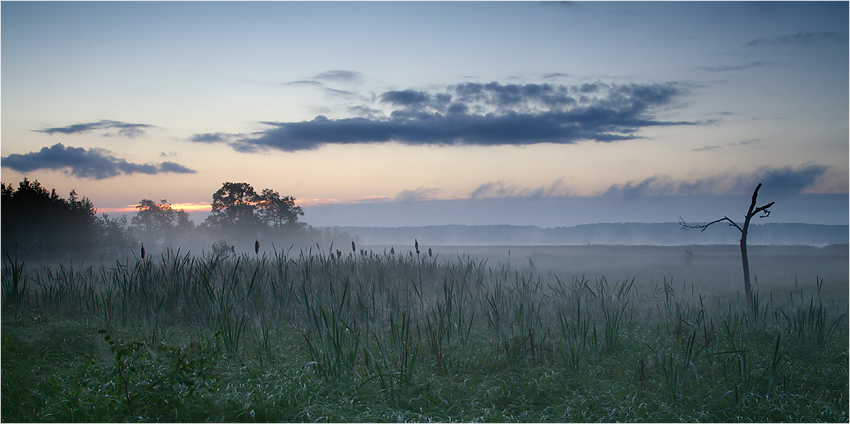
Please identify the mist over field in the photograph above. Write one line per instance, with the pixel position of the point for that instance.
(659, 234)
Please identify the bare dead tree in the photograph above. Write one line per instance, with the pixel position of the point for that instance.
(753, 211)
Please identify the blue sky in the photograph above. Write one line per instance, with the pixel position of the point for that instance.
(537, 113)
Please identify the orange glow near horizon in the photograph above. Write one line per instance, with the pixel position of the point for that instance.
(188, 207)
(206, 207)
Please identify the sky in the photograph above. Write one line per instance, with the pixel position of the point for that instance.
(423, 113)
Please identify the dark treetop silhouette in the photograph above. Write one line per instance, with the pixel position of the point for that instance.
(38, 224)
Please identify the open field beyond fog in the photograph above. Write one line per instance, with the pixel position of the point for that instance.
(710, 269)
(540, 334)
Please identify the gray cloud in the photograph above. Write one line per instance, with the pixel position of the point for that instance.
(92, 163)
(745, 142)
(483, 115)
(727, 68)
(405, 98)
(123, 129)
(712, 147)
(217, 137)
(322, 80)
(784, 181)
(498, 189)
(707, 148)
(306, 83)
(235, 141)
(777, 182)
(421, 193)
(340, 76)
(168, 166)
(800, 38)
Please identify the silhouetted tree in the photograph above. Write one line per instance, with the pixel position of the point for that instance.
(753, 211)
(240, 214)
(278, 212)
(115, 234)
(41, 225)
(234, 211)
(160, 224)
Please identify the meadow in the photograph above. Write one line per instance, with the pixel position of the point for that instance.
(391, 333)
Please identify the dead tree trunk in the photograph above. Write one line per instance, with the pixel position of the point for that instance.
(753, 211)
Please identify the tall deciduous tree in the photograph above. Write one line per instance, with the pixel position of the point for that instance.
(278, 212)
(234, 210)
(753, 211)
(160, 224)
(240, 214)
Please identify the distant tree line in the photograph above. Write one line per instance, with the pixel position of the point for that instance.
(38, 224)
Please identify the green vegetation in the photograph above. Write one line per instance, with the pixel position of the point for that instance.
(363, 336)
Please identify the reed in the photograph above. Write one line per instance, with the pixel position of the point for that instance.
(416, 334)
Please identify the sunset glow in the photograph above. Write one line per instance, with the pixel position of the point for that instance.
(465, 109)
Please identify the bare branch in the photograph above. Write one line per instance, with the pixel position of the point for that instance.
(763, 209)
(703, 227)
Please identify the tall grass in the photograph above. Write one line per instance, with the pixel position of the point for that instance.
(398, 324)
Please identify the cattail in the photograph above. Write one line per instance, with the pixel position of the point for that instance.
(257, 247)
(416, 244)
(429, 252)
(143, 250)
(392, 250)
(353, 247)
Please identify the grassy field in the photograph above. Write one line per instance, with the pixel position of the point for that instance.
(543, 334)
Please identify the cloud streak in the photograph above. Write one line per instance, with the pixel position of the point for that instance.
(480, 115)
(340, 76)
(498, 189)
(728, 68)
(121, 129)
(95, 163)
(777, 181)
(800, 38)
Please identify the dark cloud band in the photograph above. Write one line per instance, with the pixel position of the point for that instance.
(480, 114)
(92, 163)
(123, 129)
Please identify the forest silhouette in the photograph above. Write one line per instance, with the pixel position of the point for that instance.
(40, 225)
